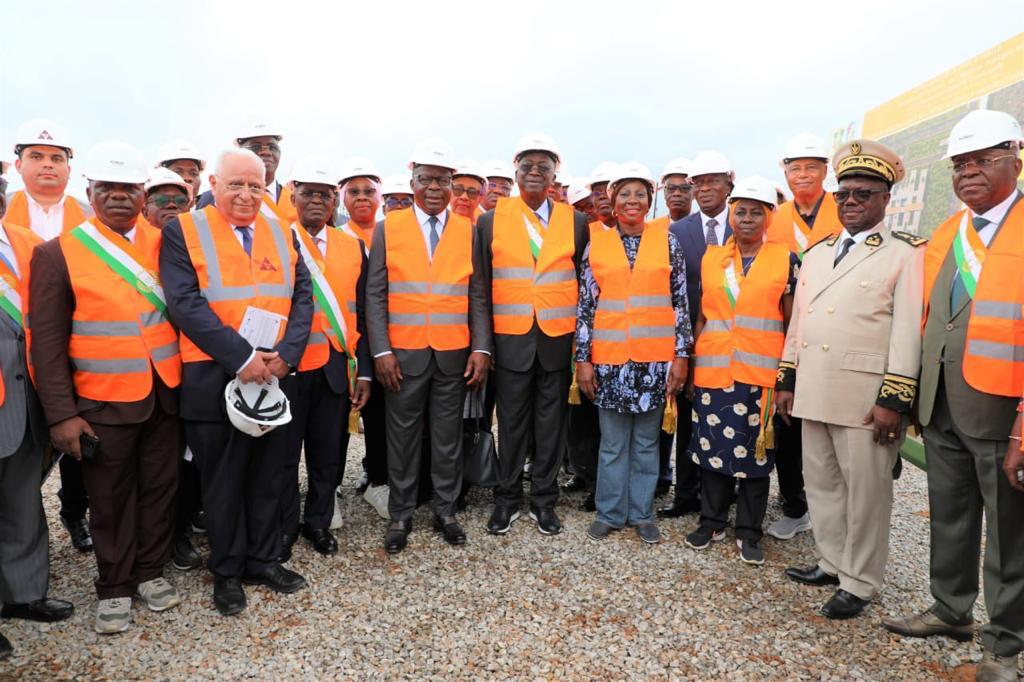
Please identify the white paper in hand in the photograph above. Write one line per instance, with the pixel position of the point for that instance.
(261, 327)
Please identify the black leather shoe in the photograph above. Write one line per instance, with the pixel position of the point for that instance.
(5, 647)
(228, 595)
(844, 605)
(276, 577)
(78, 529)
(185, 556)
(679, 509)
(589, 504)
(397, 536)
(40, 610)
(449, 527)
(321, 539)
(547, 520)
(812, 575)
(287, 540)
(501, 519)
(575, 484)
(199, 522)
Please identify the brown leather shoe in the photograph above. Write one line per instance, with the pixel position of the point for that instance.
(927, 624)
(996, 668)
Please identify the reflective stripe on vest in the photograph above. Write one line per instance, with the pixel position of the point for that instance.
(231, 281)
(742, 344)
(428, 300)
(994, 353)
(118, 337)
(523, 290)
(634, 319)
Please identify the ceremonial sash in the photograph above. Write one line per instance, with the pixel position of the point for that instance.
(10, 299)
(123, 260)
(969, 251)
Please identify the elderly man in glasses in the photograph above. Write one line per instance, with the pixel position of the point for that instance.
(167, 195)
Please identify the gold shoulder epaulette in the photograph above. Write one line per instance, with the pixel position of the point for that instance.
(874, 239)
(914, 240)
(831, 241)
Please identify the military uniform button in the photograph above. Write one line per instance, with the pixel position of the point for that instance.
(830, 311)
(824, 347)
(810, 310)
(804, 344)
(864, 283)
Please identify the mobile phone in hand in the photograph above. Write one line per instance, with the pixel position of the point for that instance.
(89, 445)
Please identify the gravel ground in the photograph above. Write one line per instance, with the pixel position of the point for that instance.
(519, 606)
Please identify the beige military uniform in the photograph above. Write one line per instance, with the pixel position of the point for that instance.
(854, 341)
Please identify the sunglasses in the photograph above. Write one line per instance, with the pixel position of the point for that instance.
(861, 195)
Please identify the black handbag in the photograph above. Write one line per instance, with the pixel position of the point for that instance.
(480, 457)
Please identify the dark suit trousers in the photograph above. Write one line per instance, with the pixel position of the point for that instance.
(24, 542)
(688, 473)
(241, 478)
(132, 486)
(665, 457)
(751, 503)
(584, 440)
(319, 417)
(532, 403)
(73, 499)
(189, 496)
(445, 394)
(789, 466)
(375, 459)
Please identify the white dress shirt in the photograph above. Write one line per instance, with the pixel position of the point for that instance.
(238, 235)
(857, 239)
(46, 222)
(423, 218)
(722, 219)
(8, 251)
(995, 217)
(544, 212)
(272, 190)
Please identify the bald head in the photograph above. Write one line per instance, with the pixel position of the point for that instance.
(238, 185)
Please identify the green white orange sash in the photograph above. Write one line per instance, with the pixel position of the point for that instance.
(733, 274)
(970, 252)
(10, 299)
(800, 235)
(120, 255)
(534, 229)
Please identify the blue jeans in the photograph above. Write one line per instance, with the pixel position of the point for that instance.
(627, 468)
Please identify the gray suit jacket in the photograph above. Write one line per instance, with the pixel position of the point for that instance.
(517, 352)
(415, 362)
(20, 409)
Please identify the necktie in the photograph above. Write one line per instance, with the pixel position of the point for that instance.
(541, 218)
(243, 230)
(843, 250)
(434, 236)
(959, 292)
(8, 263)
(712, 237)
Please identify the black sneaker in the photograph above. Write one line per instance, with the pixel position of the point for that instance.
(547, 520)
(703, 537)
(185, 556)
(589, 504)
(501, 520)
(750, 552)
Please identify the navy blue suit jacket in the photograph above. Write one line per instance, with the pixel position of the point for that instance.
(689, 232)
(202, 383)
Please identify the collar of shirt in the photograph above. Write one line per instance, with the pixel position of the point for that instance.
(321, 242)
(722, 219)
(544, 212)
(272, 190)
(130, 235)
(857, 238)
(995, 217)
(238, 235)
(422, 216)
(33, 204)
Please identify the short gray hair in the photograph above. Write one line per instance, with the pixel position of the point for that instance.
(223, 156)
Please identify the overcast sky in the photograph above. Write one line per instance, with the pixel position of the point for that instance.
(644, 81)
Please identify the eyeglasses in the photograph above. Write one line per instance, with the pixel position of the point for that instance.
(356, 192)
(471, 192)
(257, 147)
(163, 201)
(395, 202)
(442, 181)
(503, 185)
(672, 189)
(981, 164)
(323, 195)
(543, 168)
(861, 195)
(255, 190)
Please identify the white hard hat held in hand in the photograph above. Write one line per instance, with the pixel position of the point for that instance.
(256, 409)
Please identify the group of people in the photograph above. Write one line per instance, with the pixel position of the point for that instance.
(179, 351)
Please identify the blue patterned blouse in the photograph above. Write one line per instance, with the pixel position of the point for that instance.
(634, 386)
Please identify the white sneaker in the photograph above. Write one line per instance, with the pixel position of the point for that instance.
(786, 527)
(159, 594)
(377, 496)
(337, 521)
(113, 615)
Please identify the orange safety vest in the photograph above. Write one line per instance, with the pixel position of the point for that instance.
(356, 232)
(118, 336)
(742, 343)
(229, 280)
(523, 289)
(661, 221)
(23, 242)
(341, 267)
(635, 319)
(428, 301)
(75, 212)
(994, 353)
(596, 227)
(787, 222)
(283, 207)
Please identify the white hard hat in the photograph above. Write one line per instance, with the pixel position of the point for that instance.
(257, 127)
(256, 409)
(470, 168)
(497, 169)
(358, 167)
(178, 148)
(982, 129)
(579, 190)
(396, 184)
(433, 152)
(537, 142)
(4, 165)
(677, 166)
(313, 169)
(41, 131)
(603, 172)
(805, 146)
(757, 188)
(631, 170)
(115, 161)
(160, 177)
(780, 191)
(562, 176)
(710, 161)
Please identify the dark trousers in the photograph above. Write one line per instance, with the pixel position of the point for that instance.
(688, 472)
(751, 503)
(24, 541)
(132, 485)
(241, 478)
(319, 417)
(189, 495)
(375, 459)
(584, 440)
(789, 467)
(535, 401)
(73, 498)
(665, 457)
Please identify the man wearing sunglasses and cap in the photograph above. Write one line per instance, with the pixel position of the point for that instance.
(856, 325)
(972, 381)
